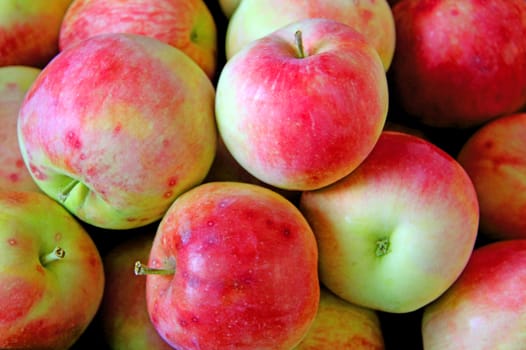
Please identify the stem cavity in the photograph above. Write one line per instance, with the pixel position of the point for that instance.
(299, 44)
(63, 195)
(141, 270)
(57, 254)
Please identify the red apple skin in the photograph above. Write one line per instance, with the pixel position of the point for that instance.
(185, 24)
(301, 124)
(446, 73)
(245, 270)
(45, 306)
(123, 313)
(342, 325)
(14, 83)
(128, 116)
(485, 309)
(410, 194)
(29, 31)
(495, 159)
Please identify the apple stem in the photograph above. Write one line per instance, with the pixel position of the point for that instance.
(382, 247)
(141, 270)
(57, 254)
(62, 196)
(299, 43)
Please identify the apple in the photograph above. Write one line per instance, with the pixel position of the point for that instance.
(123, 312)
(342, 325)
(254, 19)
(232, 265)
(395, 233)
(494, 156)
(446, 74)
(51, 274)
(302, 107)
(486, 307)
(228, 7)
(29, 31)
(116, 127)
(14, 83)
(185, 24)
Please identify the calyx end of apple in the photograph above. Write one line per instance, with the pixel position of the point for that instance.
(383, 247)
(141, 270)
(56, 254)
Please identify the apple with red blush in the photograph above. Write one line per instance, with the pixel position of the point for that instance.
(494, 156)
(486, 307)
(185, 24)
(116, 127)
(29, 31)
(395, 233)
(254, 19)
(51, 274)
(14, 83)
(302, 107)
(232, 265)
(459, 63)
(123, 313)
(342, 325)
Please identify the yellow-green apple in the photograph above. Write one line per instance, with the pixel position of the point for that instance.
(232, 265)
(495, 159)
(29, 31)
(302, 107)
(395, 233)
(342, 325)
(485, 308)
(51, 274)
(254, 19)
(447, 74)
(116, 127)
(185, 24)
(228, 6)
(123, 313)
(14, 83)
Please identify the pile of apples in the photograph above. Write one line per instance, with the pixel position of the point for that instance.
(275, 174)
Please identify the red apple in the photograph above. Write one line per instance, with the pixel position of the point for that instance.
(185, 24)
(123, 312)
(341, 325)
(240, 265)
(485, 309)
(395, 233)
(29, 31)
(14, 83)
(302, 107)
(495, 159)
(254, 19)
(459, 63)
(116, 127)
(51, 274)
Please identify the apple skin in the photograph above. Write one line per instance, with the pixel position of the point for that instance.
(445, 74)
(185, 24)
(116, 127)
(395, 233)
(246, 273)
(495, 159)
(485, 308)
(29, 31)
(254, 19)
(45, 306)
(228, 7)
(14, 83)
(302, 123)
(342, 325)
(123, 313)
